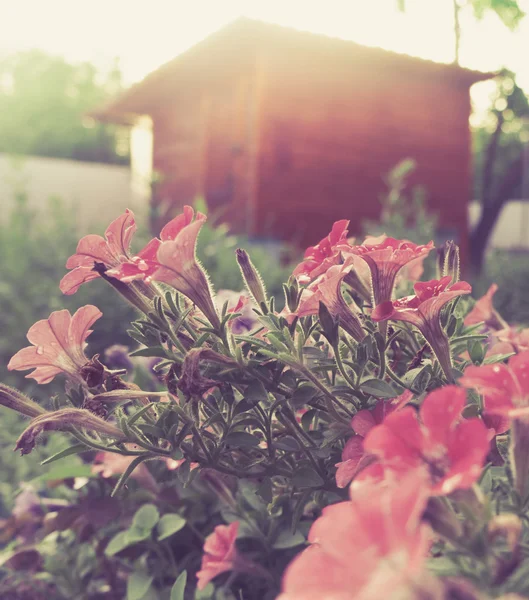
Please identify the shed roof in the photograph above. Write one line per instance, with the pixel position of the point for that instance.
(240, 39)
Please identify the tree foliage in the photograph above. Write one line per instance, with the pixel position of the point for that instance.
(44, 101)
(498, 155)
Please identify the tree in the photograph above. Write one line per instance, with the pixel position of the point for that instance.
(499, 149)
(498, 141)
(508, 11)
(44, 101)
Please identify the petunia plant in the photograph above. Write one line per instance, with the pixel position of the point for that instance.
(367, 441)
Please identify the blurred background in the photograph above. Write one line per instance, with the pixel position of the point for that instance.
(277, 117)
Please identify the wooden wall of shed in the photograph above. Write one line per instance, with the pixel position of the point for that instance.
(333, 125)
(179, 137)
(205, 132)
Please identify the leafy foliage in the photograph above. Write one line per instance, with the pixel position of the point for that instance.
(44, 102)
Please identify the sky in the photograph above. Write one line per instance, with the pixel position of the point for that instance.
(146, 33)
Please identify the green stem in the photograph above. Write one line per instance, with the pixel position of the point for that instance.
(341, 367)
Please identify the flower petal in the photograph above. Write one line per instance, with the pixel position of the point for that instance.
(440, 412)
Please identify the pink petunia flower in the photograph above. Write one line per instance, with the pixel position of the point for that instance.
(412, 271)
(328, 290)
(385, 257)
(509, 340)
(143, 265)
(371, 547)
(319, 258)
(172, 260)
(112, 251)
(238, 302)
(483, 312)
(353, 454)
(505, 388)
(423, 310)
(450, 449)
(57, 345)
(220, 553)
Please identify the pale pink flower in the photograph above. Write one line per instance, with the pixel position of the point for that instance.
(328, 290)
(324, 254)
(172, 260)
(220, 553)
(385, 257)
(371, 547)
(483, 312)
(505, 387)
(511, 340)
(111, 251)
(423, 310)
(144, 264)
(412, 271)
(57, 345)
(452, 450)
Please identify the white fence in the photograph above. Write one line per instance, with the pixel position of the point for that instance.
(512, 228)
(96, 192)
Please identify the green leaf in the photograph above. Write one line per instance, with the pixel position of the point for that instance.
(307, 418)
(146, 517)
(306, 477)
(137, 534)
(133, 418)
(286, 539)
(168, 525)
(183, 471)
(242, 406)
(75, 449)
(66, 471)
(177, 591)
(497, 358)
(138, 585)
(256, 393)
(158, 351)
(287, 443)
(147, 428)
(378, 388)
(303, 395)
(476, 351)
(118, 543)
(242, 439)
(127, 473)
(264, 490)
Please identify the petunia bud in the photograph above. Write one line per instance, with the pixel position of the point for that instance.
(292, 294)
(63, 420)
(328, 324)
(129, 292)
(442, 518)
(252, 278)
(449, 263)
(17, 401)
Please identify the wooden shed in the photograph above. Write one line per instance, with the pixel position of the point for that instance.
(288, 131)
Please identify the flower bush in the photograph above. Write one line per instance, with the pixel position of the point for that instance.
(353, 445)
